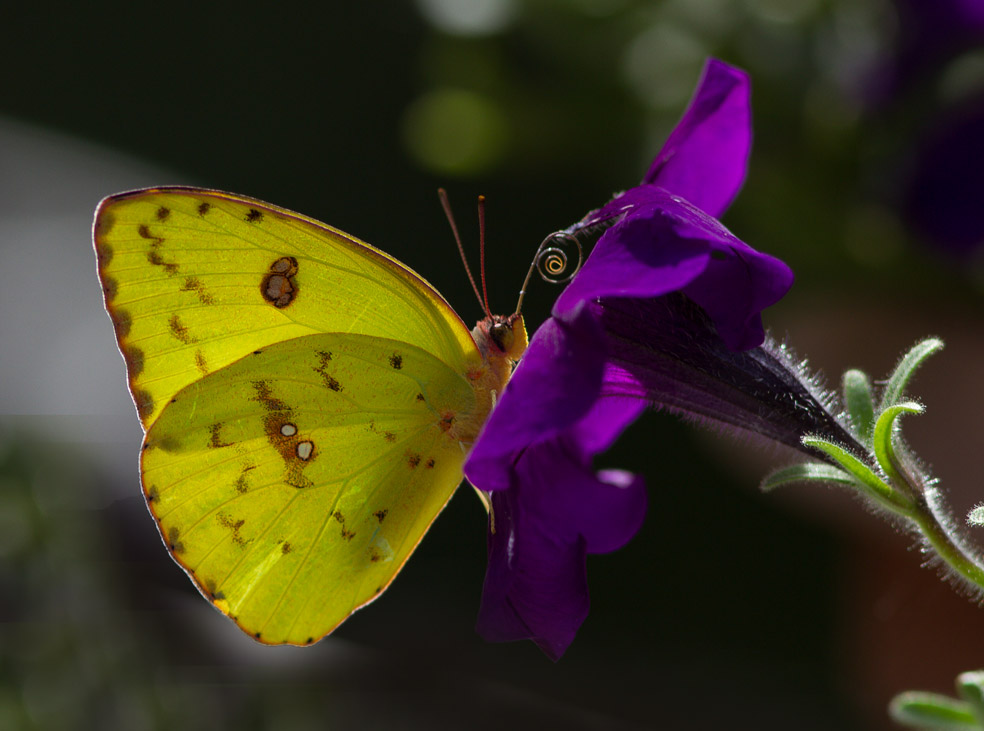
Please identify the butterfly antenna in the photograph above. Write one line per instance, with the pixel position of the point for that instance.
(446, 205)
(481, 249)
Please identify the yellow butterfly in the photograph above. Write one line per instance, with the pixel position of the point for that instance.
(307, 401)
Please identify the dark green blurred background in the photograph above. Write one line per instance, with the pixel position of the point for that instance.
(731, 609)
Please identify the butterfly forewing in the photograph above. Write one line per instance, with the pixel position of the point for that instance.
(293, 483)
(194, 280)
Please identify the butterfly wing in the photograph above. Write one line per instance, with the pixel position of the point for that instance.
(293, 484)
(298, 390)
(196, 279)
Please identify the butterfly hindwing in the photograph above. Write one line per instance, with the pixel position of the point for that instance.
(293, 483)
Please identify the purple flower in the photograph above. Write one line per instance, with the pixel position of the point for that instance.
(663, 270)
(945, 157)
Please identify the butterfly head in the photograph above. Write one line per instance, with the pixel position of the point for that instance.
(503, 335)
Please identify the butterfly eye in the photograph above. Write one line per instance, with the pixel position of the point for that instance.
(501, 334)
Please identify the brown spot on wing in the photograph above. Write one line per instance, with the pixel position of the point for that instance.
(242, 485)
(155, 258)
(420, 397)
(286, 548)
(254, 216)
(143, 231)
(179, 330)
(215, 441)
(194, 284)
(204, 208)
(387, 435)
(200, 362)
(279, 415)
(110, 288)
(163, 213)
(122, 321)
(104, 253)
(152, 494)
(381, 515)
(264, 394)
(430, 464)
(346, 533)
(134, 358)
(331, 383)
(233, 526)
(279, 284)
(396, 361)
(174, 540)
(104, 223)
(168, 443)
(154, 254)
(213, 593)
(413, 460)
(144, 402)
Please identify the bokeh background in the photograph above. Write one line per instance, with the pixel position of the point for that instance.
(731, 608)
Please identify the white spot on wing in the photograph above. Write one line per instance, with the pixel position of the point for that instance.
(381, 546)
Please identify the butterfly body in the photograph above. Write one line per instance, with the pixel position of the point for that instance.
(307, 401)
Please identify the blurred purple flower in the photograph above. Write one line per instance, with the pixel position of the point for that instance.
(944, 157)
(943, 197)
(929, 35)
(593, 367)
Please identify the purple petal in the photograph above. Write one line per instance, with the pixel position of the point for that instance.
(556, 513)
(606, 421)
(544, 600)
(660, 246)
(736, 286)
(665, 244)
(705, 158)
(554, 385)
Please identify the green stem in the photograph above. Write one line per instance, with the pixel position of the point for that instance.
(948, 546)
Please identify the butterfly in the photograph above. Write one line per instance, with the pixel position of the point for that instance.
(307, 401)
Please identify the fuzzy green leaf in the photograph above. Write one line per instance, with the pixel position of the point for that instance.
(859, 402)
(906, 369)
(807, 472)
(931, 711)
(970, 685)
(884, 438)
(863, 476)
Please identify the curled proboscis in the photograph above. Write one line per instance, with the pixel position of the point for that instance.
(554, 259)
